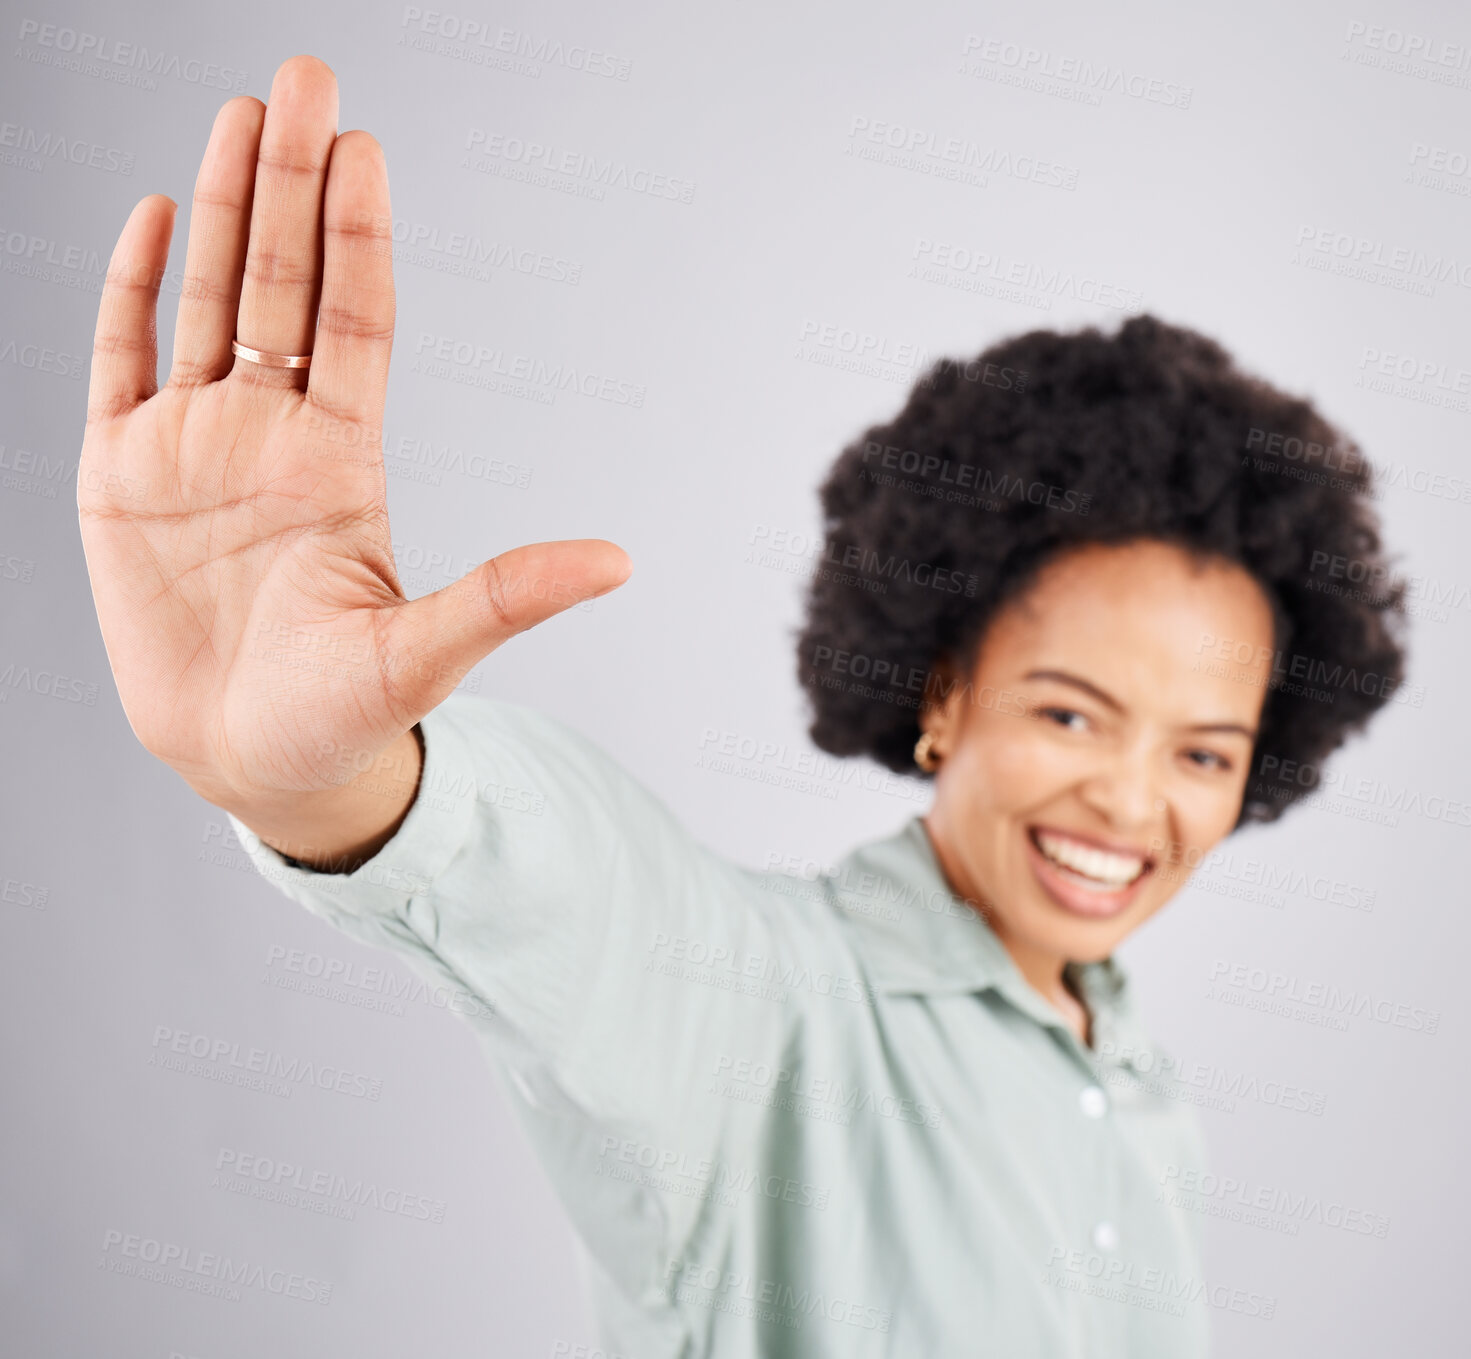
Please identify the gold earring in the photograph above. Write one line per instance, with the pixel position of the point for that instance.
(924, 753)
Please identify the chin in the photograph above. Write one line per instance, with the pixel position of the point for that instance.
(1091, 949)
(1077, 941)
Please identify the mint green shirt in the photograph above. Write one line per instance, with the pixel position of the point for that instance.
(787, 1117)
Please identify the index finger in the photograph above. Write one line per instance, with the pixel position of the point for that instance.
(125, 343)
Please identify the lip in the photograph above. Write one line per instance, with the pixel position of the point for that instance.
(1096, 841)
(1078, 900)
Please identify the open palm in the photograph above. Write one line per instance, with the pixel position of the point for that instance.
(234, 520)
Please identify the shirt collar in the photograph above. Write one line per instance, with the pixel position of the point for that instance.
(916, 937)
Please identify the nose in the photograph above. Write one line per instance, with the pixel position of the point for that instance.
(1125, 791)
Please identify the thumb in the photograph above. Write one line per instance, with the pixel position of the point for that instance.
(432, 642)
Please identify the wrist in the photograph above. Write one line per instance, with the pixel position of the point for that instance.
(334, 828)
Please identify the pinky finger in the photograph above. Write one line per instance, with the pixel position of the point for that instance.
(125, 347)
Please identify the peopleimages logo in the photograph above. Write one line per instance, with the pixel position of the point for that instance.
(935, 474)
(1357, 254)
(968, 268)
(1285, 993)
(727, 964)
(679, 1172)
(1376, 582)
(196, 1271)
(483, 44)
(1165, 1073)
(475, 364)
(321, 1191)
(799, 1091)
(98, 54)
(774, 1301)
(365, 987)
(923, 149)
(1194, 1189)
(1423, 47)
(771, 544)
(36, 146)
(1051, 72)
(1128, 1280)
(553, 166)
(1279, 778)
(221, 1059)
(1217, 656)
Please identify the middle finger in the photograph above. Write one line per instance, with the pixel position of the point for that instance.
(283, 262)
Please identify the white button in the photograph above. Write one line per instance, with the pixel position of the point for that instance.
(1105, 1236)
(1092, 1101)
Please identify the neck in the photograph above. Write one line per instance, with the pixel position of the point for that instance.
(1041, 970)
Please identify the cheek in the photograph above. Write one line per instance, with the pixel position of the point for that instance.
(1015, 766)
(1205, 819)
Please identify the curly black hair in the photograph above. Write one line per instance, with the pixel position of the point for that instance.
(1050, 440)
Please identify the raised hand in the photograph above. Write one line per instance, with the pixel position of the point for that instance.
(234, 520)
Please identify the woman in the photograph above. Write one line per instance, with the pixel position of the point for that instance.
(902, 1108)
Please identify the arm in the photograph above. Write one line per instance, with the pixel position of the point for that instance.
(537, 875)
(564, 906)
(236, 533)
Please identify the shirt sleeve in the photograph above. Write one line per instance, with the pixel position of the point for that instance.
(538, 879)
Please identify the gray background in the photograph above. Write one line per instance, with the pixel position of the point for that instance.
(151, 919)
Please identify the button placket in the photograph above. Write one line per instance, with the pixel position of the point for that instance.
(1093, 1103)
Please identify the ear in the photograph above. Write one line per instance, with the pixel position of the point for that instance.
(945, 696)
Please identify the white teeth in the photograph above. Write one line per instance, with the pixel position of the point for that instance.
(1103, 867)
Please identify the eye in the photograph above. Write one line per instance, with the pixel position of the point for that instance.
(1207, 759)
(1064, 717)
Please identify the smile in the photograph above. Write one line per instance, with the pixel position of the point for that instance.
(1084, 877)
(1093, 867)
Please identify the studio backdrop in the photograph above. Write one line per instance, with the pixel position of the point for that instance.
(656, 265)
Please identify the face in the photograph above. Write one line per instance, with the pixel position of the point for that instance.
(1095, 749)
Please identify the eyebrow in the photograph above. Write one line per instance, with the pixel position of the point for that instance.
(1109, 701)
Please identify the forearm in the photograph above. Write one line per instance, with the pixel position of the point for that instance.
(337, 829)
